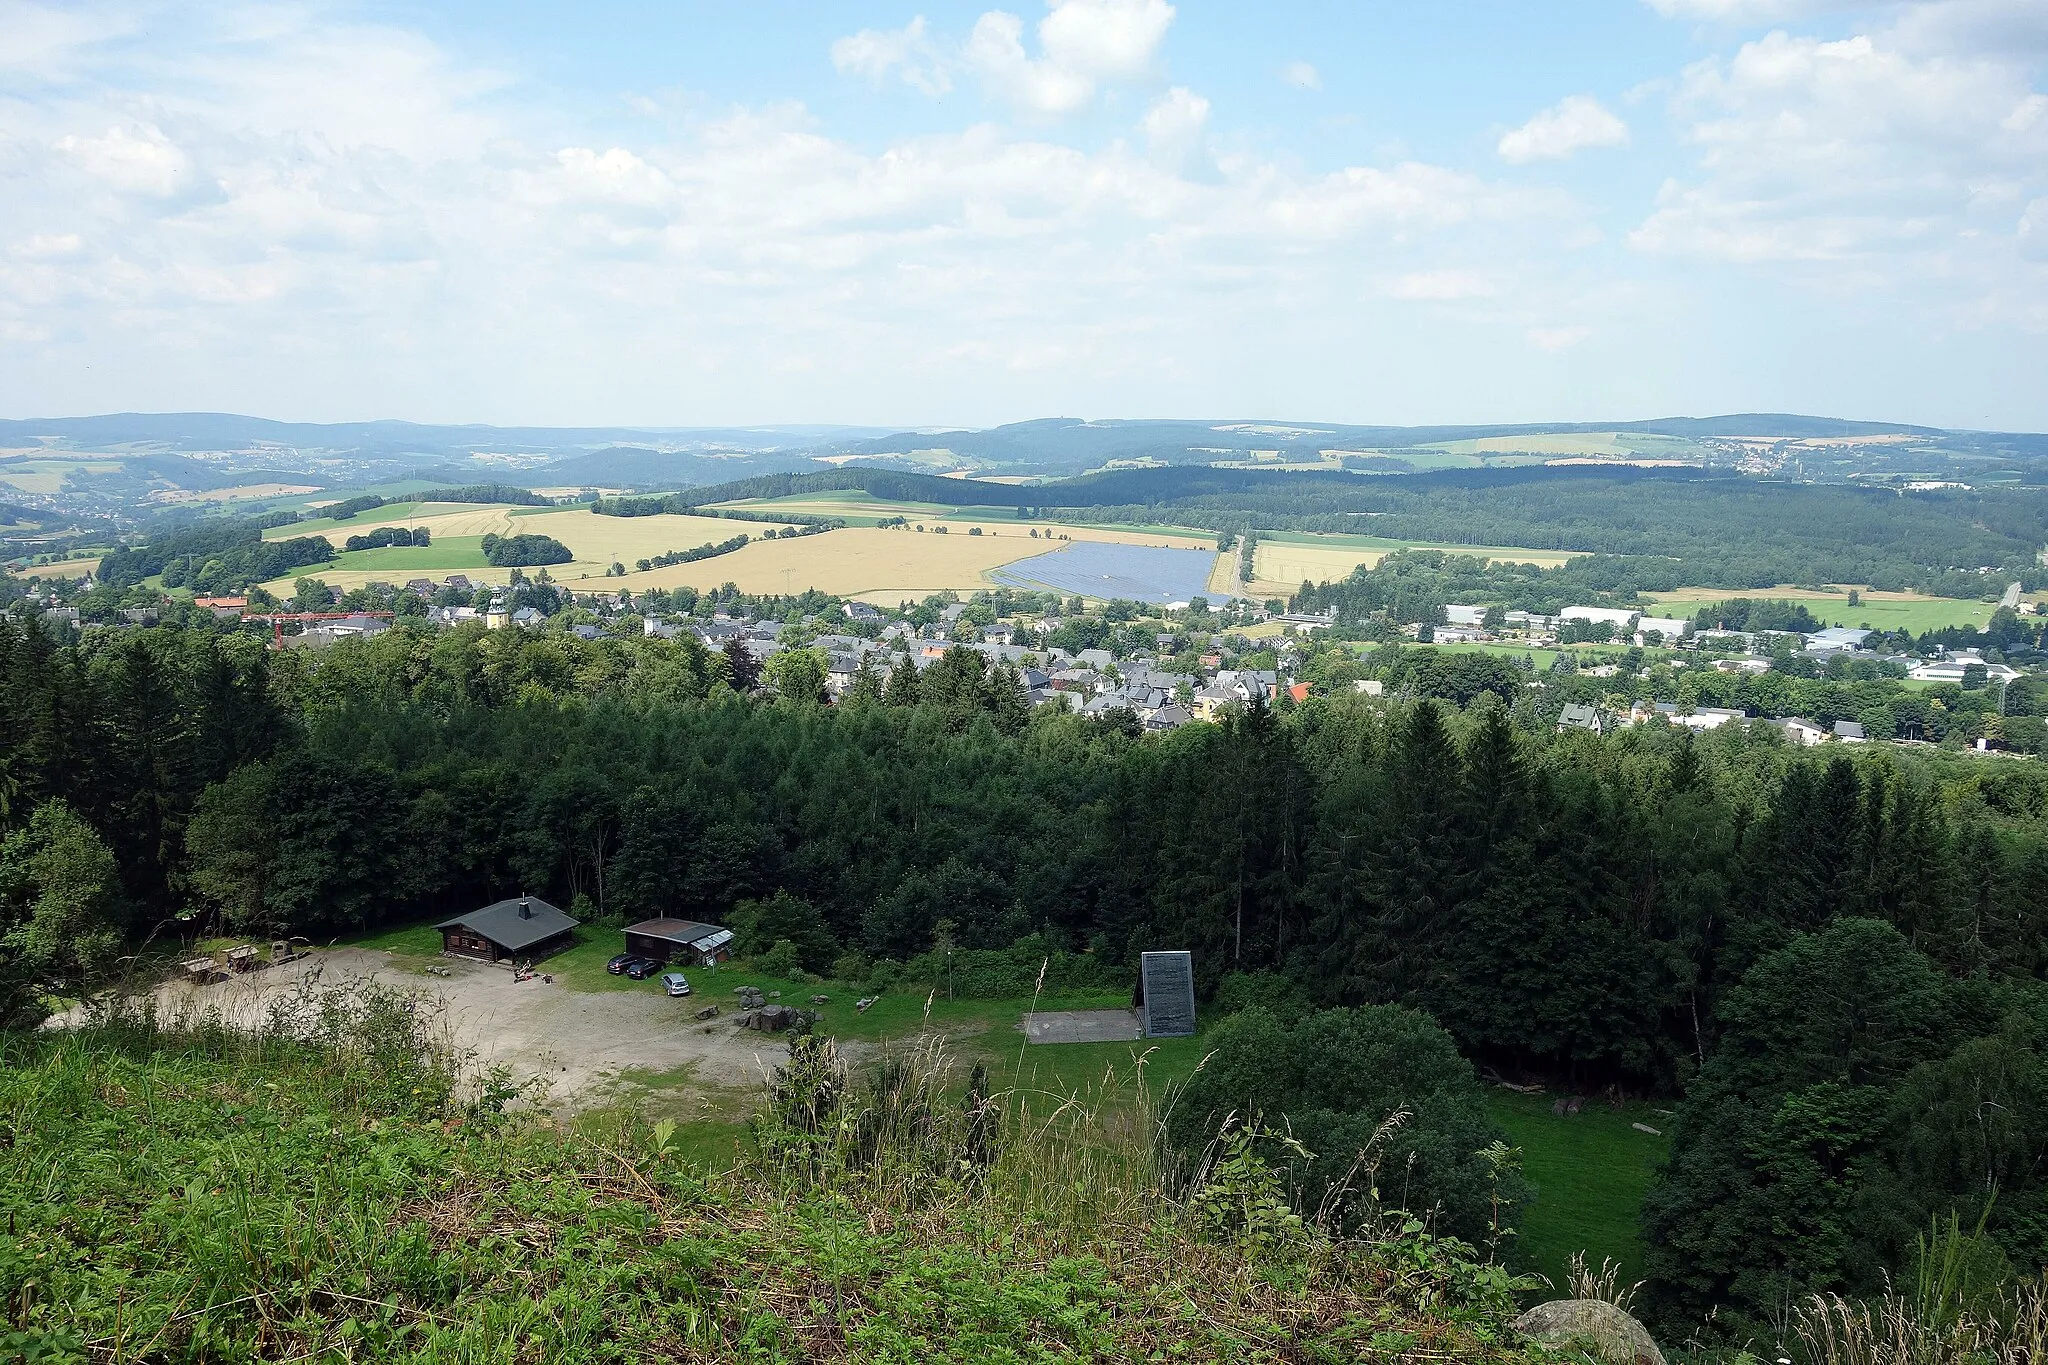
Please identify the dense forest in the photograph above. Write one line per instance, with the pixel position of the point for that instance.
(1826, 955)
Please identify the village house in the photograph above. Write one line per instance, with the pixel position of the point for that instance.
(1577, 717)
(523, 928)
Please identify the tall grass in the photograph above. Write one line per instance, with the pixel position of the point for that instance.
(332, 1182)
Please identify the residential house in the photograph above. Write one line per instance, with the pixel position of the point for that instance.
(862, 612)
(1804, 732)
(1211, 700)
(1577, 717)
(1850, 732)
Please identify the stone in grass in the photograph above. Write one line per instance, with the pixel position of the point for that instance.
(1613, 1335)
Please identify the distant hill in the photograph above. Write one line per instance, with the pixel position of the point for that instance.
(230, 431)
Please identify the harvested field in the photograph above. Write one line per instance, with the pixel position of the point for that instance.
(70, 568)
(1289, 561)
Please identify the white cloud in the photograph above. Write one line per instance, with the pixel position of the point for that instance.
(2033, 231)
(318, 216)
(1572, 124)
(138, 160)
(1083, 46)
(1176, 127)
(1107, 40)
(1440, 286)
(908, 52)
(1302, 76)
(1821, 150)
(1554, 339)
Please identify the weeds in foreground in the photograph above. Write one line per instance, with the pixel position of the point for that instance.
(330, 1184)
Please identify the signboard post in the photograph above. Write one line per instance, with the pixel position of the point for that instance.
(1166, 994)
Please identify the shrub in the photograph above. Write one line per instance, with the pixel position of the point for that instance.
(1332, 1079)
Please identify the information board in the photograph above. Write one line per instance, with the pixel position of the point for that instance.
(1166, 994)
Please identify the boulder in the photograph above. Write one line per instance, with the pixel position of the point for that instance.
(1612, 1334)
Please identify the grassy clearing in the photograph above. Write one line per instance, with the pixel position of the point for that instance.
(1878, 610)
(443, 556)
(1589, 1173)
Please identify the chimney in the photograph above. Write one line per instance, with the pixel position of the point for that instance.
(525, 908)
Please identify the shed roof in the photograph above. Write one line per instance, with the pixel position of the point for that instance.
(505, 925)
(693, 933)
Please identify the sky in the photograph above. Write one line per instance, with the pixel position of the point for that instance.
(927, 214)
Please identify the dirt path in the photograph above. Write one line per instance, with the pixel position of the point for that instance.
(585, 1048)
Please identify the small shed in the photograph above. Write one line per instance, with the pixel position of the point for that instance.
(522, 927)
(679, 940)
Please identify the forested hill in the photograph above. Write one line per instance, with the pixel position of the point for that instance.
(1667, 528)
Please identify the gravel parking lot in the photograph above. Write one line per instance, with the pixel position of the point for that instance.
(583, 1047)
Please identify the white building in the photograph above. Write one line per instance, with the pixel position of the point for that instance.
(1672, 628)
(1621, 618)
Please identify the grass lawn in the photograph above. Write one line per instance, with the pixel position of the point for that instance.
(446, 553)
(1587, 1173)
(1880, 611)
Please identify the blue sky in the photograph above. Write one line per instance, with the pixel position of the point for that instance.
(925, 214)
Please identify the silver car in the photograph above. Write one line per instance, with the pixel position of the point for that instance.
(673, 983)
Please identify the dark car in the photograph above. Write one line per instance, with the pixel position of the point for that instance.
(620, 963)
(640, 968)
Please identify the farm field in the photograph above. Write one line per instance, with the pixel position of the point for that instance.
(458, 530)
(245, 492)
(1287, 560)
(884, 567)
(47, 476)
(896, 564)
(1880, 610)
(69, 568)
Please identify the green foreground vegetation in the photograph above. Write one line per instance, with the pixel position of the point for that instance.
(335, 1187)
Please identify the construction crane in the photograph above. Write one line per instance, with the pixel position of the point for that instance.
(278, 618)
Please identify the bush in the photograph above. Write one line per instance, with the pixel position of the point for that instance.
(1270, 991)
(780, 960)
(1332, 1079)
(993, 973)
(524, 551)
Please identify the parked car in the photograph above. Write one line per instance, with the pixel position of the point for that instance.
(674, 984)
(619, 963)
(640, 968)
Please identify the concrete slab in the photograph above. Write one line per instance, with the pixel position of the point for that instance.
(1083, 1026)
